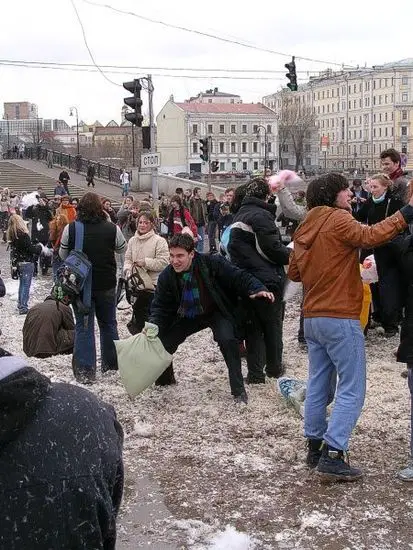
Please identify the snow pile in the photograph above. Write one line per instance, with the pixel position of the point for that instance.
(231, 539)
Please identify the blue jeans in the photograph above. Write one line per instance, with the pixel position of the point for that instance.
(84, 352)
(200, 242)
(335, 351)
(125, 189)
(26, 270)
(56, 263)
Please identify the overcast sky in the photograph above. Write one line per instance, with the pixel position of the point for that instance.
(353, 32)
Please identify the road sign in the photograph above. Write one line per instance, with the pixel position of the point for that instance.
(150, 160)
(325, 143)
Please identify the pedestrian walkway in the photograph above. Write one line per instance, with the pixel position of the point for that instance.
(77, 182)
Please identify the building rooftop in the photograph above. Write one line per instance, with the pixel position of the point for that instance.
(226, 108)
(112, 131)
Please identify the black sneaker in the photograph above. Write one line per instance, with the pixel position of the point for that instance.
(254, 380)
(334, 466)
(241, 399)
(314, 452)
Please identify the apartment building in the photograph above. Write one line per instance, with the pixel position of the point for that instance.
(243, 135)
(359, 113)
(20, 110)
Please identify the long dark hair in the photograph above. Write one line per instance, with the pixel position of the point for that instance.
(90, 209)
(181, 210)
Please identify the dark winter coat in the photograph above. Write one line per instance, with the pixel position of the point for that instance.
(39, 214)
(259, 250)
(61, 471)
(22, 249)
(2, 288)
(223, 281)
(372, 213)
(48, 330)
(405, 263)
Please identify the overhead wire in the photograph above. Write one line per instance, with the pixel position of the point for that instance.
(88, 48)
(210, 35)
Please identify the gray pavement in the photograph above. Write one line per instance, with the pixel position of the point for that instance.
(102, 187)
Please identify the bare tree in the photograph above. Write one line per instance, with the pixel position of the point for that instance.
(296, 122)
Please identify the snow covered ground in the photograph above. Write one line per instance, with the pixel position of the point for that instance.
(234, 478)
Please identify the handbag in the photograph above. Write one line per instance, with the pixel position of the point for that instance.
(140, 278)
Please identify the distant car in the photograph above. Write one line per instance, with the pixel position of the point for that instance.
(183, 175)
(195, 176)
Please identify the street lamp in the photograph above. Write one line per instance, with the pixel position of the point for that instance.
(77, 126)
(261, 127)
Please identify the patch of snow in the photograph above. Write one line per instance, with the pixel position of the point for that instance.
(231, 539)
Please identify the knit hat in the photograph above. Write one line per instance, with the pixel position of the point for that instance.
(258, 188)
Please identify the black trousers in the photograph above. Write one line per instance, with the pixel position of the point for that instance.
(141, 309)
(265, 331)
(224, 334)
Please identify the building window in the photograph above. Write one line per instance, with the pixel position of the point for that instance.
(285, 148)
(233, 130)
(195, 147)
(245, 166)
(221, 147)
(232, 100)
(233, 147)
(195, 128)
(405, 80)
(255, 129)
(209, 100)
(269, 147)
(404, 115)
(233, 165)
(255, 147)
(244, 147)
(269, 129)
(210, 129)
(405, 96)
(404, 130)
(307, 147)
(255, 165)
(222, 166)
(244, 128)
(221, 129)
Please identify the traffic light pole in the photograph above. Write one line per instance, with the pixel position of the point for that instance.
(209, 162)
(133, 145)
(155, 189)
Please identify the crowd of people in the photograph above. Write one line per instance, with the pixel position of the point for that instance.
(218, 263)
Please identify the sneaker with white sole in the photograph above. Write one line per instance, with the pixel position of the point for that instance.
(407, 473)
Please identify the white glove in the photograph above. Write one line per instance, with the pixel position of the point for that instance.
(39, 226)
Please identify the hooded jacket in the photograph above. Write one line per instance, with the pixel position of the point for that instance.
(61, 473)
(260, 250)
(48, 329)
(326, 259)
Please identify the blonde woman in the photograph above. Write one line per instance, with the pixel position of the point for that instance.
(149, 251)
(22, 255)
(389, 293)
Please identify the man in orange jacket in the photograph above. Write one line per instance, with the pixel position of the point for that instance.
(326, 259)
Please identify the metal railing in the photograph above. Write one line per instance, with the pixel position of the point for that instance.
(74, 162)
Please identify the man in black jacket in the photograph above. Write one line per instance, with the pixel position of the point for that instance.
(255, 245)
(61, 469)
(195, 292)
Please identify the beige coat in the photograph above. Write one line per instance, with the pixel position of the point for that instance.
(149, 247)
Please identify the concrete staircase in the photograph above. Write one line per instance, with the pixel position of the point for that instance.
(17, 178)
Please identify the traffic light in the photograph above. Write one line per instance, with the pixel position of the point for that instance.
(204, 149)
(291, 75)
(135, 102)
(214, 166)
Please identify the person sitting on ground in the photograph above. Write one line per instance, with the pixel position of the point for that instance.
(198, 291)
(48, 329)
(66, 492)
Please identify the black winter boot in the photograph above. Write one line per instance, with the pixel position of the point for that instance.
(314, 452)
(334, 466)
